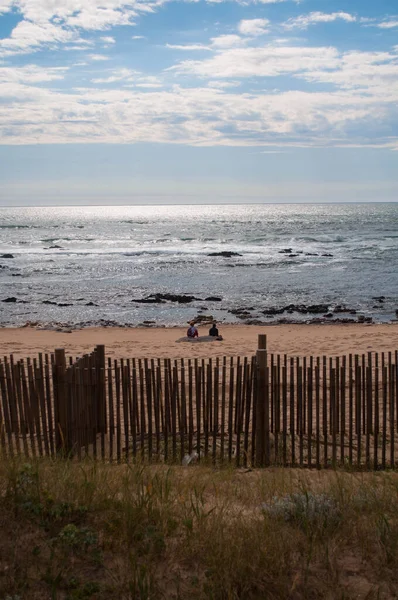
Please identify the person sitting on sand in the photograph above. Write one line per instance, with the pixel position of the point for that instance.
(192, 331)
(213, 331)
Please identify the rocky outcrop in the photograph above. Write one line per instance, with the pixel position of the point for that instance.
(160, 298)
(225, 254)
(7, 256)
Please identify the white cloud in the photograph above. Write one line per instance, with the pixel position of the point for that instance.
(49, 22)
(203, 116)
(31, 74)
(117, 75)
(216, 43)
(108, 39)
(27, 36)
(98, 57)
(223, 84)
(227, 41)
(388, 24)
(304, 21)
(188, 47)
(253, 27)
(260, 62)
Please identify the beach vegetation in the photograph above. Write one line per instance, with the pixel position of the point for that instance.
(79, 530)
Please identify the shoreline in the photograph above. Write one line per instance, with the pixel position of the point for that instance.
(239, 340)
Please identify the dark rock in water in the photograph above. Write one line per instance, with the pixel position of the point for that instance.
(255, 322)
(213, 299)
(317, 308)
(149, 322)
(286, 251)
(311, 254)
(204, 319)
(344, 309)
(273, 311)
(180, 298)
(7, 256)
(3, 267)
(344, 320)
(11, 299)
(159, 298)
(55, 247)
(16, 275)
(379, 298)
(148, 301)
(91, 304)
(300, 308)
(50, 302)
(64, 304)
(292, 255)
(226, 254)
(240, 311)
(327, 254)
(363, 319)
(328, 315)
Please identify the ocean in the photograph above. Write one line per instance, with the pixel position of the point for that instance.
(87, 266)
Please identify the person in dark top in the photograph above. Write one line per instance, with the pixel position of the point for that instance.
(213, 332)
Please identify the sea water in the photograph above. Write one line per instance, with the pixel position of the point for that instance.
(88, 265)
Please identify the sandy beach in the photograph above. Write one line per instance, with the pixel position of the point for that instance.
(325, 340)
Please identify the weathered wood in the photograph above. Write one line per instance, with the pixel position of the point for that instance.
(299, 379)
(284, 412)
(309, 414)
(111, 418)
(292, 406)
(391, 409)
(190, 407)
(376, 413)
(262, 408)
(183, 399)
(216, 378)
(223, 400)
(118, 412)
(60, 399)
(230, 408)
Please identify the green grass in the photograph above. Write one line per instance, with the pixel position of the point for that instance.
(89, 530)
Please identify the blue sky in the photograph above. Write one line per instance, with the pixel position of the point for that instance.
(156, 101)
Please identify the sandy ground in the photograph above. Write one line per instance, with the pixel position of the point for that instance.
(325, 340)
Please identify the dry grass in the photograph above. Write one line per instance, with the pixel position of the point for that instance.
(89, 530)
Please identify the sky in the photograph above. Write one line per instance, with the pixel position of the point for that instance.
(208, 101)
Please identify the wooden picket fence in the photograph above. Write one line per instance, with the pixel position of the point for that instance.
(268, 409)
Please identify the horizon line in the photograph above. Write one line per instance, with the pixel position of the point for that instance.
(199, 204)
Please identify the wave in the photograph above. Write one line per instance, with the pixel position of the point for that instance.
(19, 227)
(67, 239)
(132, 222)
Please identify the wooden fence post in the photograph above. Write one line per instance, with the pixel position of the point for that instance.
(60, 402)
(101, 388)
(262, 408)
